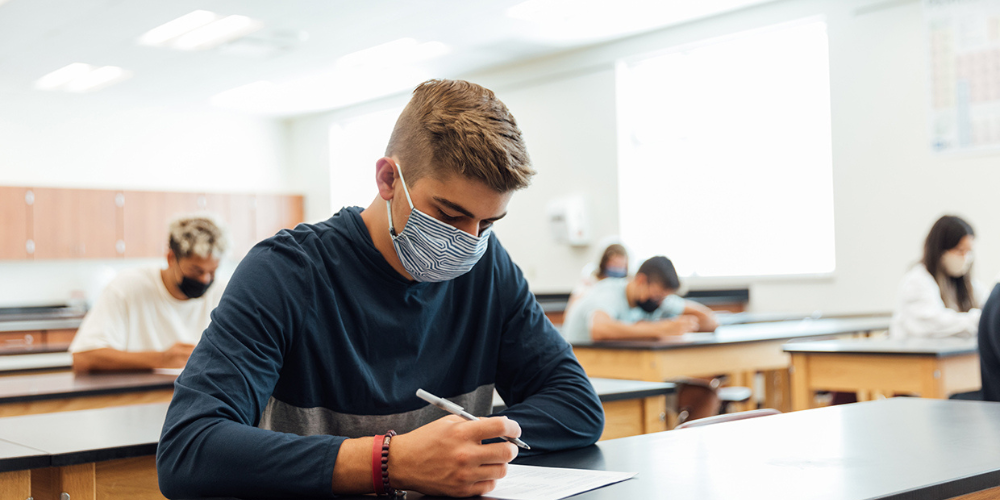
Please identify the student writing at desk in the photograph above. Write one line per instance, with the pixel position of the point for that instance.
(326, 332)
(641, 308)
(937, 297)
(150, 317)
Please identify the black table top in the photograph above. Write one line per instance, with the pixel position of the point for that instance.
(127, 431)
(901, 449)
(753, 332)
(904, 347)
(609, 389)
(16, 457)
(75, 437)
(18, 388)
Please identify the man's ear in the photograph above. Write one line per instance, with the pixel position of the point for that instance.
(641, 279)
(385, 177)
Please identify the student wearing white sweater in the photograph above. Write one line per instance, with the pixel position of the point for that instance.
(937, 297)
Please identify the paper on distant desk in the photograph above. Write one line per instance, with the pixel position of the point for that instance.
(168, 371)
(525, 482)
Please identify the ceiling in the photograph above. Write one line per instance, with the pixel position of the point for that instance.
(297, 51)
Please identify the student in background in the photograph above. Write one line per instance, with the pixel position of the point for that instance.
(989, 346)
(937, 297)
(643, 307)
(326, 332)
(613, 264)
(151, 317)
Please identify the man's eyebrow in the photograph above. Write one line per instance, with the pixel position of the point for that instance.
(459, 208)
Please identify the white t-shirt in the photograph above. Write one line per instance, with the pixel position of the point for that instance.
(135, 312)
(920, 312)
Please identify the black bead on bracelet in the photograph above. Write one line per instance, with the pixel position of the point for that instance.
(389, 491)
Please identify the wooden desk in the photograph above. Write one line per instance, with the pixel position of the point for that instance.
(631, 407)
(739, 350)
(932, 368)
(110, 452)
(104, 454)
(53, 392)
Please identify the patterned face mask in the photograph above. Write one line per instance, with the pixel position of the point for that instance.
(431, 250)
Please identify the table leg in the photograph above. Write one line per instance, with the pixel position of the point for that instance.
(655, 414)
(15, 485)
(931, 383)
(79, 481)
(802, 393)
(778, 390)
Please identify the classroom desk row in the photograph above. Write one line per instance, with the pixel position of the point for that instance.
(630, 407)
(903, 448)
(930, 368)
(108, 453)
(739, 350)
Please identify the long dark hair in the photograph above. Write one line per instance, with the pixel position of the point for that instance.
(946, 234)
(613, 250)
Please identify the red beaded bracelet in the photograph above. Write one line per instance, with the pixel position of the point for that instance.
(380, 466)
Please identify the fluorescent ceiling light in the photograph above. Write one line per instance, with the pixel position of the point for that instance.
(80, 77)
(396, 52)
(62, 76)
(200, 30)
(191, 21)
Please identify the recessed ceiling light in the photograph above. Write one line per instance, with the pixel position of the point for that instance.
(401, 51)
(199, 30)
(80, 77)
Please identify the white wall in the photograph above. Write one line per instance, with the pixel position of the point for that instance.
(888, 186)
(70, 143)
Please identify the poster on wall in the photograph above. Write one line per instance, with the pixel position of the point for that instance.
(964, 66)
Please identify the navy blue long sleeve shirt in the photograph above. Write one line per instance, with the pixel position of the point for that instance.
(317, 339)
(989, 346)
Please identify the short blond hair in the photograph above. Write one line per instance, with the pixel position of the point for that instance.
(453, 126)
(201, 235)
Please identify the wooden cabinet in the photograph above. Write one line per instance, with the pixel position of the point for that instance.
(15, 223)
(76, 223)
(21, 341)
(50, 223)
(59, 340)
(147, 218)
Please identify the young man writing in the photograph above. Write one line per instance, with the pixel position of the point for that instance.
(642, 308)
(326, 332)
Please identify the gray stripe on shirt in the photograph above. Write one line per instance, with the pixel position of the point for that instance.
(283, 417)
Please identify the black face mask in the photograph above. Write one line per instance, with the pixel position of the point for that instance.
(193, 288)
(648, 305)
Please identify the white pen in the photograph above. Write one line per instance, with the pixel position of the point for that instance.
(454, 409)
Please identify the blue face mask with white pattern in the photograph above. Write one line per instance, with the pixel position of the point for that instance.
(431, 250)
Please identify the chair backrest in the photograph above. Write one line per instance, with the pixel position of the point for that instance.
(728, 417)
(696, 399)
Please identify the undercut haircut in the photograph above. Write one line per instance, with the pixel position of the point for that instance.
(456, 127)
(200, 235)
(660, 270)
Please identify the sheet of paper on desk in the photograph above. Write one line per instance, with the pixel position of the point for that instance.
(526, 482)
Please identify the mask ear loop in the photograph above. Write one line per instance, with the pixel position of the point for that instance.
(388, 203)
